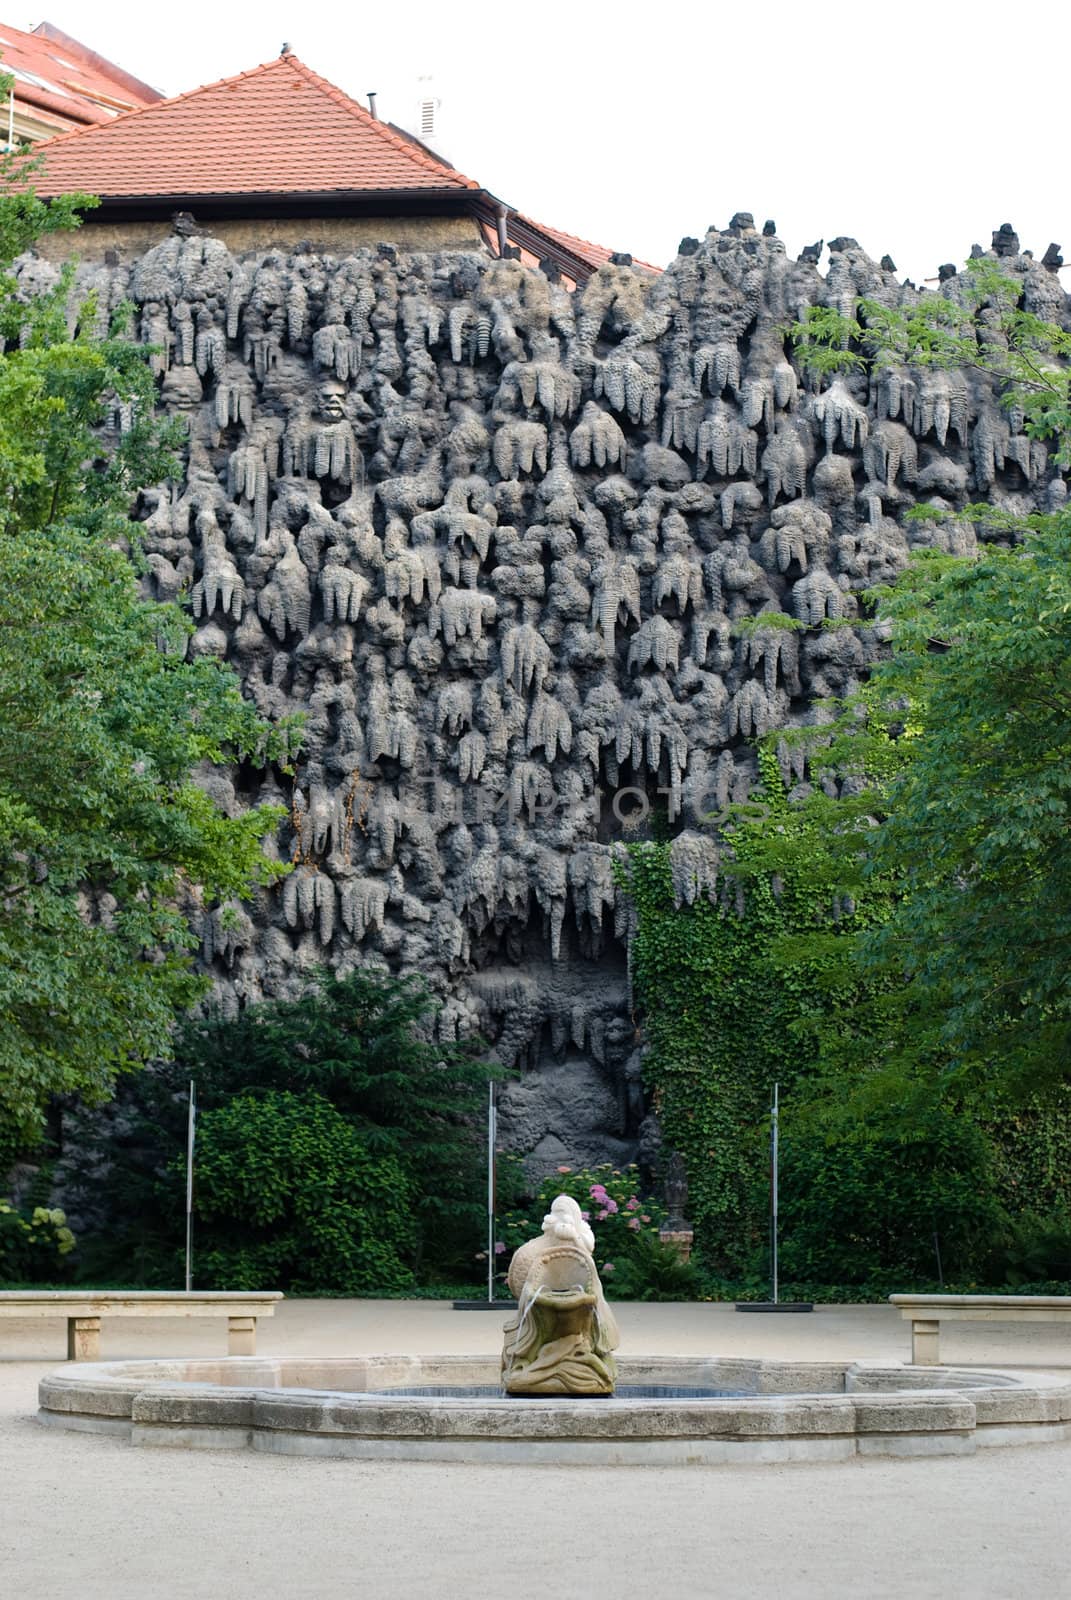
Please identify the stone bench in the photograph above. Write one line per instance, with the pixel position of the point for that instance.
(85, 1308)
(926, 1312)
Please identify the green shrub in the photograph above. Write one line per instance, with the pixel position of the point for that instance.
(359, 1042)
(290, 1195)
(862, 1201)
(33, 1242)
(362, 1041)
(1032, 1249)
(653, 1270)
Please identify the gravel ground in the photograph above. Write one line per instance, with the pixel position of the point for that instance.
(89, 1515)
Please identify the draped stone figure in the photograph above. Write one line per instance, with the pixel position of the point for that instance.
(563, 1337)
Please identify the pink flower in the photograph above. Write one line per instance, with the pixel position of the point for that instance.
(611, 1205)
(607, 1266)
(632, 1205)
(598, 1191)
(586, 1215)
(565, 1169)
(634, 1224)
(644, 1217)
(601, 1216)
(500, 1247)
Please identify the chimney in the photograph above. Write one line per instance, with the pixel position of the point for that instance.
(372, 105)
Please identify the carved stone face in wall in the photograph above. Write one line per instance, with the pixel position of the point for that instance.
(331, 400)
(181, 392)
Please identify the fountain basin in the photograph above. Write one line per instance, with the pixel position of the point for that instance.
(360, 1407)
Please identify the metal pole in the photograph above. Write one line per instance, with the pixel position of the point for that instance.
(774, 1118)
(189, 1186)
(492, 1133)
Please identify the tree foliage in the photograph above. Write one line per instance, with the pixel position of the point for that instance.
(982, 327)
(734, 992)
(959, 746)
(106, 843)
(291, 1193)
(894, 944)
(358, 1044)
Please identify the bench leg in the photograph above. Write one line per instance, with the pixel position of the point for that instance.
(924, 1342)
(83, 1338)
(241, 1336)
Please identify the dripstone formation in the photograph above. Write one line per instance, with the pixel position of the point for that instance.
(494, 539)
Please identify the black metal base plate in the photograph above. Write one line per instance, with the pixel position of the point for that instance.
(772, 1305)
(485, 1305)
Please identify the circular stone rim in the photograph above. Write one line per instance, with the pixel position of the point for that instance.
(342, 1406)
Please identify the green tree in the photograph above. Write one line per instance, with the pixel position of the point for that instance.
(105, 841)
(959, 746)
(735, 992)
(894, 945)
(362, 1040)
(361, 1044)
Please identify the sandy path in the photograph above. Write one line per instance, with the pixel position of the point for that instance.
(86, 1515)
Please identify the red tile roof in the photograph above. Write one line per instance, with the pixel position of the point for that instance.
(277, 130)
(552, 241)
(593, 255)
(283, 133)
(63, 83)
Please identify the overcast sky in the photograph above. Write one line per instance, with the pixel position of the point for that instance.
(915, 129)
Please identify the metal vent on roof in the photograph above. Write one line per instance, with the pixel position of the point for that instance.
(427, 119)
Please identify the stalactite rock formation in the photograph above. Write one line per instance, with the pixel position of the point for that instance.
(496, 540)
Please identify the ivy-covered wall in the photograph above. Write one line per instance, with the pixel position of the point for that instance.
(750, 986)
(726, 1018)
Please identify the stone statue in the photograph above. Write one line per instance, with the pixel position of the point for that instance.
(676, 1187)
(677, 1230)
(563, 1337)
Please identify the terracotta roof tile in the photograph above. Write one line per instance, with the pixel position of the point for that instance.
(595, 255)
(278, 129)
(63, 83)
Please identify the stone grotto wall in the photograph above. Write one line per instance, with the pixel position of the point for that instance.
(492, 537)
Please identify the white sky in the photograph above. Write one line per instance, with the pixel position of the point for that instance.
(915, 129)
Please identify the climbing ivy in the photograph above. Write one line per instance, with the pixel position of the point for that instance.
(894, 948)
(762, 985)
(733, 992)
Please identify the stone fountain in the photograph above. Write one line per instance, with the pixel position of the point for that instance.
(536, 1405)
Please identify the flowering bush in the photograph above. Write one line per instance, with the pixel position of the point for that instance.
(611, 1203)
(32, 1242)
